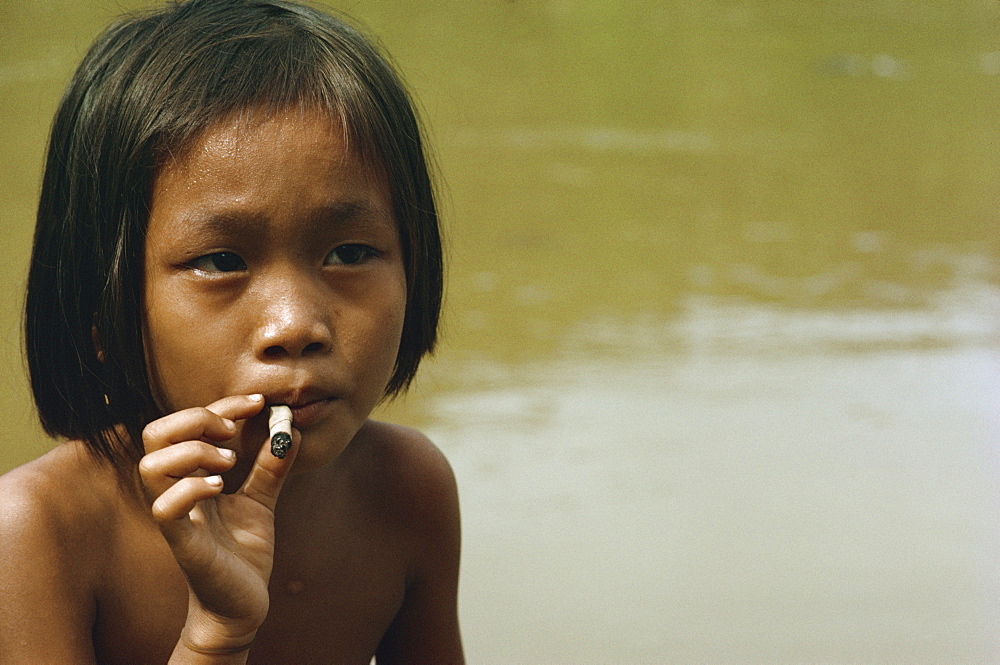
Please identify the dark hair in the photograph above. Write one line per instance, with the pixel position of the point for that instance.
(148, 87)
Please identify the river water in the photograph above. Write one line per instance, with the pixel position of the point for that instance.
(720, 375)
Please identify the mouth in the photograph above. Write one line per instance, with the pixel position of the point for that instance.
(309, 413)
(307, 407)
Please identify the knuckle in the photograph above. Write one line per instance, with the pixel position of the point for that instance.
(160, 512)
(256, 494)
(147, 467)
(150, 433)
(272, 475)
(188, 448)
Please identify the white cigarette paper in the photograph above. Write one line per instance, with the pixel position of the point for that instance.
(280, 420)
(279, 423)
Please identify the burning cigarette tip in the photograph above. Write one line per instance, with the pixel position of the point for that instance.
(280, 444)
(279, 423)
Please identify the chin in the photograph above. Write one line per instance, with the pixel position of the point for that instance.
(317, 450)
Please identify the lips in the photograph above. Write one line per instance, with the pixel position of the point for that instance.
(304, 415)
(308, 405)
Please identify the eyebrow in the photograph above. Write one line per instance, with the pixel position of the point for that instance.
(338, 213)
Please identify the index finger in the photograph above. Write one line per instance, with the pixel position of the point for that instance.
(237, 407)
(201, 423)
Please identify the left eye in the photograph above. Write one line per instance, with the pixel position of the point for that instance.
(349, 255)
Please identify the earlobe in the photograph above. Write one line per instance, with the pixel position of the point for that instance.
(96, 339)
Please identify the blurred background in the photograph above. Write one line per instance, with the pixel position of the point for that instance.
(720, 374)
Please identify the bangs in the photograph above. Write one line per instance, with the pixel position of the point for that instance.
(148, 87)
(266, 65)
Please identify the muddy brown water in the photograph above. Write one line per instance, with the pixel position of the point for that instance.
(720, 358)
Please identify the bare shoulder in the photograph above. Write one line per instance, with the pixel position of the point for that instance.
(413, 478)
(48, 544)
(53, 509)
(50, 494)
(417, 488)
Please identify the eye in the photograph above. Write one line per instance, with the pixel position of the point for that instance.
(349, 255)
(219, 262)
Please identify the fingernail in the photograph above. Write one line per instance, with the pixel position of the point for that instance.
(256, 397)
(214, 481)
(228, 423)
(229, 454)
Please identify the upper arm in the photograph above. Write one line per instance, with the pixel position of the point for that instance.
(425, 629)
(46, 607)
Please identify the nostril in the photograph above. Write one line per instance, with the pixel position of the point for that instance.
(313, 347)
(273, 351)
(279, 351)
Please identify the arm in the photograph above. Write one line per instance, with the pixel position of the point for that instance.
(426, 630)
(46, 594)
(223, 543)
(53, 547)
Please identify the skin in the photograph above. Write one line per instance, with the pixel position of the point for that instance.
(273, 274)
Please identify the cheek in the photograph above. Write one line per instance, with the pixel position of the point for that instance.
(177, 357)
(386, 329)
(165, 326)
(391, 324)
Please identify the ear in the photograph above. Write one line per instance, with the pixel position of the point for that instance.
(95, 337)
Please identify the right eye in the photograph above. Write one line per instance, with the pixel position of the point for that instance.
(219, 262)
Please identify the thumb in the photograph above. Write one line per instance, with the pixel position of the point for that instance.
(269, 472)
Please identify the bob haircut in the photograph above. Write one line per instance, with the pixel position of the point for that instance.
(148, 87)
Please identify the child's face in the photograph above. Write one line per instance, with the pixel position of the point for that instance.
(273, 265)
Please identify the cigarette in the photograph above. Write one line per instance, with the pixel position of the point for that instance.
(279, 423)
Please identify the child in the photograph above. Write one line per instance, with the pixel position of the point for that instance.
(235, 213)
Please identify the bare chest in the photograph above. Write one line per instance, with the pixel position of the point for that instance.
(330, 604)
(332, 595)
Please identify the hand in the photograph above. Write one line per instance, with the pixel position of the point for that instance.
(224, 543)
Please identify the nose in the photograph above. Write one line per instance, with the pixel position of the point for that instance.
(295, 321)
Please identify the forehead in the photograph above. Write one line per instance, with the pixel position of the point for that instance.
(266, 164)
(246, 134)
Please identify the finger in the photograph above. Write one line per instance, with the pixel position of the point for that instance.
(197, 423)
(161, 469)
(172, 508)
(269, 472)
(237, 407)
(213, 423)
